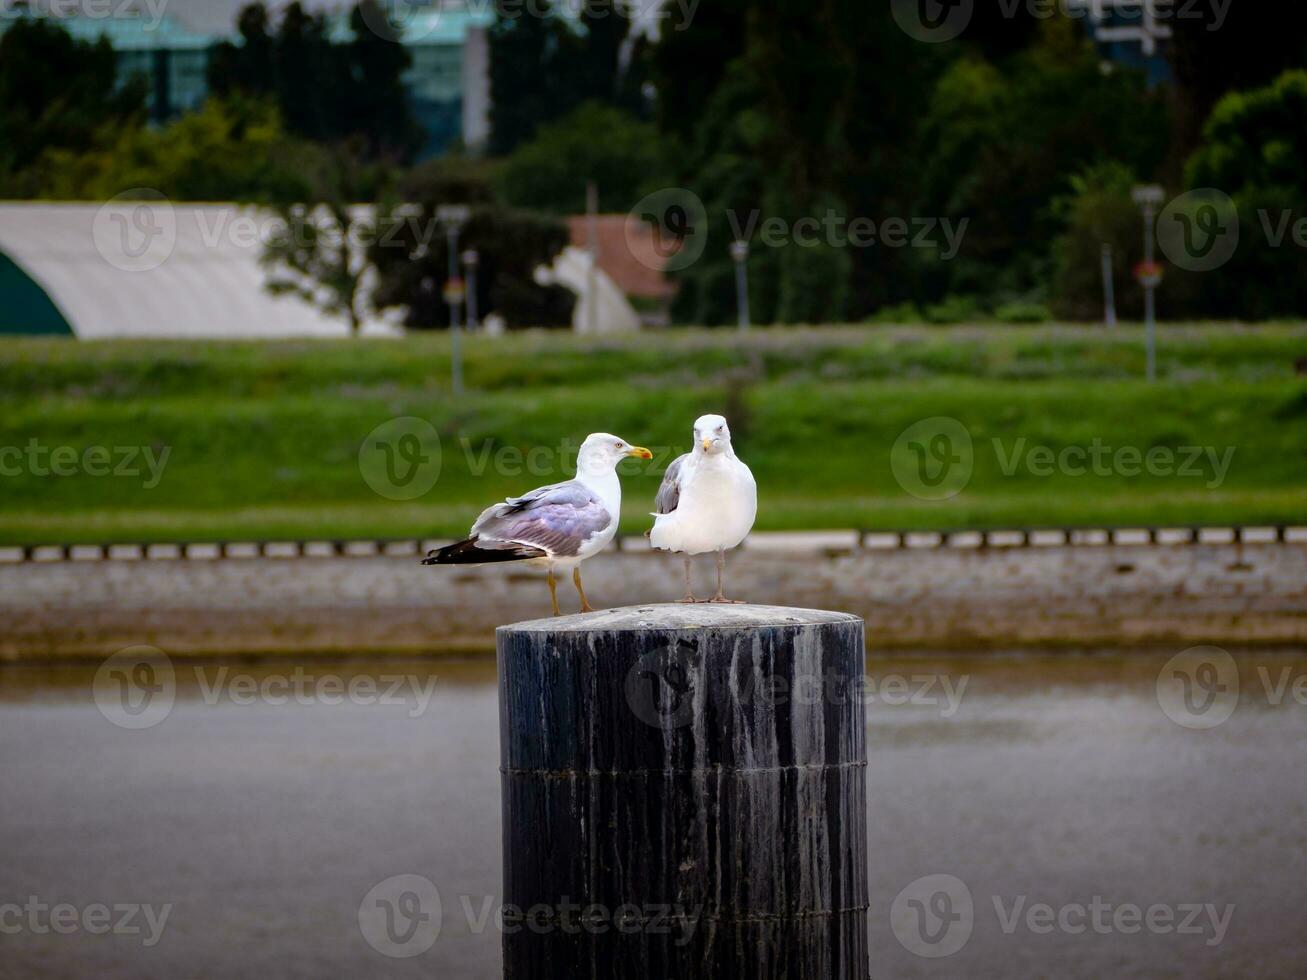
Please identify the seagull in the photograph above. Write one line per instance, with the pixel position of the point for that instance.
(707, 502)
(558, 526)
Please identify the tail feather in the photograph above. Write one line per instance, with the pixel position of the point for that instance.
(469, 552)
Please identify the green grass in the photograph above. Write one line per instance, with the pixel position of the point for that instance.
(264, 439)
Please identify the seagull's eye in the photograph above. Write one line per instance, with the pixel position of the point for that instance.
(719, 428)
(617, 445)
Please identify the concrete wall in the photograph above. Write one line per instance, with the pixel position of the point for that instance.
(1170, 596)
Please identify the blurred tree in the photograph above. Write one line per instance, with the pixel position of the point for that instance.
(374, 99)
(999, 146)
(411, 255)
(998, 29)
(595, 142)
(816, 115)
(56, 94)
(605, 61)
(326, 91)
(321, 249)
(815, 279)
(881, 173)
(527, 83)
(307, 75)
(722, 161)
(1252, 149)
(1098, 211)
(693, 57)
(450, 180)
(1255, 139)
(1221, 48)
(247, 67)
(809, 102)
(1266, 278)
(231, 150)
(545, 63)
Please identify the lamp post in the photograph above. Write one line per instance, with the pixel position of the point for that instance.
(1148, 197)
(470, 262)
(1109, 292)
(740, 256)
(452, 217)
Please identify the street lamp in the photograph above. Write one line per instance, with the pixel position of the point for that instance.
(740, 256)
(1109, 297)
(1148, 197)
(452, 217)
(470, 262)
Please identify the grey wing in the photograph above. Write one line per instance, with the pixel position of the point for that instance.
(558, 519)
(514, 504)
(669, 494)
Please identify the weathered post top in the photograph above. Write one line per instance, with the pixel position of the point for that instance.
(681, 616)
(684, 794)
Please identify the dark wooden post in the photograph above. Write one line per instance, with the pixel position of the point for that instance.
(684, 795)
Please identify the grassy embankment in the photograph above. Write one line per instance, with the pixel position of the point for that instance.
(264, 439)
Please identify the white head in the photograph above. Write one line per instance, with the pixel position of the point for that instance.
(712, 435)
(601, 452)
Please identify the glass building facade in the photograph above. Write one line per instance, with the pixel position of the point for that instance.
(1130, 32)
(447, 81)
(173, 59)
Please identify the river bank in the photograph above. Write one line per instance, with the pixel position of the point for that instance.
(1066, 597)
(164, 441)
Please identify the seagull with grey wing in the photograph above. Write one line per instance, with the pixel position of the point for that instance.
(708, 501)
(558, 526)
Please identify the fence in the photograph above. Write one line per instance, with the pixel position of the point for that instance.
(863, 539)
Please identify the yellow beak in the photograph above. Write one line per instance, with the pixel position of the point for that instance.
(639, 452)
(707, 444)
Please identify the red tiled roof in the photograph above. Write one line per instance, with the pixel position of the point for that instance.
(627, 254)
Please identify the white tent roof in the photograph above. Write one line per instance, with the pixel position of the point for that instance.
(156, 269)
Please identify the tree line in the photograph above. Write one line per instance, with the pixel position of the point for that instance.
(1018, 131)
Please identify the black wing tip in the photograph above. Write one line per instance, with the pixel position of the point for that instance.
(469, 553)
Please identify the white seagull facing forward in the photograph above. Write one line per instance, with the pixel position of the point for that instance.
(558, 526)
(707, 502)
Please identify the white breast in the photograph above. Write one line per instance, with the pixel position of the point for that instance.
(608, 489)
(719, 501)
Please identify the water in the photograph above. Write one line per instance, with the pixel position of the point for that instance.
(1055, 780)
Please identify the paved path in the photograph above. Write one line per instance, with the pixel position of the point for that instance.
(1164, 595)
